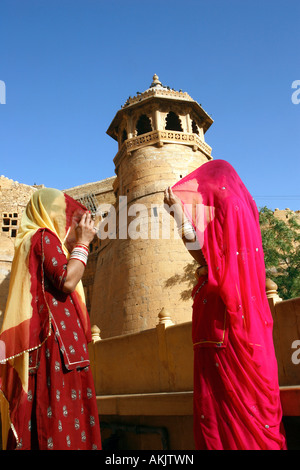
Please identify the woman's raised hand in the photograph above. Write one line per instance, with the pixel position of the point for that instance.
(85, 231)
(173, 201)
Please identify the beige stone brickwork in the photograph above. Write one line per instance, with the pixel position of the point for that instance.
(102, 191)
(285, 214)
(132, 278)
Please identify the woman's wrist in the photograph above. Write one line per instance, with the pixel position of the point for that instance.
(80, 252)
(83, 242)
(186, 230)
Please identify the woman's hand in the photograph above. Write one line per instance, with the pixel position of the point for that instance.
(169, 197)
(85, 231)
(173, 201)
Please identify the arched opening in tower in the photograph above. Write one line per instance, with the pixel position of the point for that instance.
(143, 125)
(124, 136)
(195, 128)
(173, 122)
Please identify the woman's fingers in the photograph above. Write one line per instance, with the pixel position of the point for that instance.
(167, 195)
(86, 219)
(85, 231)
(83, 219)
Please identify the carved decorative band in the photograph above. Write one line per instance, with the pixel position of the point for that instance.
(179, 95)
(155, 137)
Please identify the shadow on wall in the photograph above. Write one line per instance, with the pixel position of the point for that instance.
(187, 276)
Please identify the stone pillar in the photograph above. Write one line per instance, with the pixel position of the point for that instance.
(272, 294)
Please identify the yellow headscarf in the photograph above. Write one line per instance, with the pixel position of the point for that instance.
(47, 209)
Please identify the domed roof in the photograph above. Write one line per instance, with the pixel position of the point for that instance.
(158, 93)
(157, 89)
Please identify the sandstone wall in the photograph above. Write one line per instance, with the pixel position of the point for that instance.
(102, 191)
(136, 278)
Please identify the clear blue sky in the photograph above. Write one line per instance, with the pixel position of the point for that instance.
(69, 65)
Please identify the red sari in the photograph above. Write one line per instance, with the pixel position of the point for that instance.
(236, 392)
(45, 377)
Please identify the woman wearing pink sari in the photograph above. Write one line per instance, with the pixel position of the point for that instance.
(236, 392)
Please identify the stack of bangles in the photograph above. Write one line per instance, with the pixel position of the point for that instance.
(80, 252)
(186, 230)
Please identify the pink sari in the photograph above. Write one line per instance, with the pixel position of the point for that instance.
(236, 392)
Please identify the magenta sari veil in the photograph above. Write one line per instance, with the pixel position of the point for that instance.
(226, 221)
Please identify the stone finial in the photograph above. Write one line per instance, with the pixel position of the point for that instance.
(164, 318)
(95, 333)
(271, 291)
(156, 81)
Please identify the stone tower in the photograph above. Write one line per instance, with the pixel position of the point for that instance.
(160, 135)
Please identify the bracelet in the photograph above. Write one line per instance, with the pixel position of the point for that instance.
(186, 230)
(81, 253)
(83, 244)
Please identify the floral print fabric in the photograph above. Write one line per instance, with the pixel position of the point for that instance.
(60, 410)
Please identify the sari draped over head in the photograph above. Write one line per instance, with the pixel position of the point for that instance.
(227, 226)
(25, 328)
(226, 221)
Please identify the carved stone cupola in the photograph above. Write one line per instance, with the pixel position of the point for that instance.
(159, 116)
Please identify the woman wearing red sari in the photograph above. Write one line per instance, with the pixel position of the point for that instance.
(236, 392)
(47, 392)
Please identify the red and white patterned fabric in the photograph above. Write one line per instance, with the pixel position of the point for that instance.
(47, 392)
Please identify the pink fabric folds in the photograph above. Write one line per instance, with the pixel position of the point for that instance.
(226, 220)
